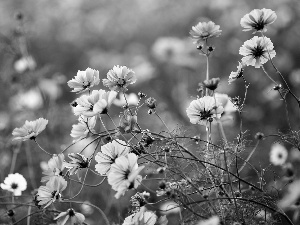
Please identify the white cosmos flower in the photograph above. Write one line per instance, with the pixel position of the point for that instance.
(52, 191)
(81, 129)
(205, 30)
(70, 216)
(143, 216)
(78, 162)
(108, 154)
(119, 78)
(124, 174)
(30, 130)
(258, 19)
(203, 109)
(84, 80)
(55, 167)
(278, 154)
(97, 102)
(14, 183)
(257, 51)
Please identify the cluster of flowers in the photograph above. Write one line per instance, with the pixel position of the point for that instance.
(117, 160)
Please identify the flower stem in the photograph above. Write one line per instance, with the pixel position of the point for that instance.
(263, 68)
(207, 72)
(42, 148)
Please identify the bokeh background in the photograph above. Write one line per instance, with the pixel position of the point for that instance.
(56, 38)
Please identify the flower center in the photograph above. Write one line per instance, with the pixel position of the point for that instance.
(258, 51)
(86, 84)
(71, 212)
(205, 114)
(121, 82)
(14, 186)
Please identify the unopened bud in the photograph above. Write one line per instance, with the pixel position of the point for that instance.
(141, 95)
(199, 47)
(259, 136)
(211, 84)
(151, 103)
(162, 184)
(210, 48)
(10, 213)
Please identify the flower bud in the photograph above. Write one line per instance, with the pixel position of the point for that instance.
(199, 47)
(210, 48)
(142, 95)
(151, 103)
(259, 136)
(162, 184)
(10, 213)
(211, 84)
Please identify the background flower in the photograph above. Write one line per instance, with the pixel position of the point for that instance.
(14, 183)
(30, 130)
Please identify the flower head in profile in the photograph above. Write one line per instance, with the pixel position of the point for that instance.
(214, 220)
(30, 130)
(124, 174)
(78, 162)
(257, 51)
(237, 74)
(96, 103)
(203, 110)
(84, 80)
(81, 129)
(108, 155)
(52, 191)
(55, 167)
(119, 78)
(70, 216)
(204, 30)
(14, 183)
(278, 154)
(143, 216)
(258, 19)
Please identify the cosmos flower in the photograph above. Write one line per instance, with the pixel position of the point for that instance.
(214, 220)
(258, 19)
(204, 109)
(84, 80)
(291, 196)
(278, 154)
(237, 74)
(144, 217)
(25, 63)
(55, 167)
(30, 130)
(81, 129)
(204, 30)
(257, 51)
(128, 122)
(119, 78)
(78, 162)
(124, 174)
(74, 218)
(96, 103)
(14, 183)
(52, 191)
(108, 154)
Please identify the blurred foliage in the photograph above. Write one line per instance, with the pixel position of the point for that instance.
(55, 39)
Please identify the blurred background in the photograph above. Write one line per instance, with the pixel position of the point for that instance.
(44, 43)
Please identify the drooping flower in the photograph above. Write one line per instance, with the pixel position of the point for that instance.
(55, 167)
(84, 80)
(144, 217)
(237, 74)
(14, 183)
(214, 220)
(78, 162)
(96, 103)
(204, 30)
(70, 216)
(119, 78)
(257, 51)
(30, 130)
(81, 130)
(204, 109)
(52, 191)
(124, 174)
(128, 122)
(278, 154)
(258, 19)
(108, 154)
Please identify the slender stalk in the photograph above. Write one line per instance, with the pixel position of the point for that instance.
(249, 156)
(263, 68)
(42, 148)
